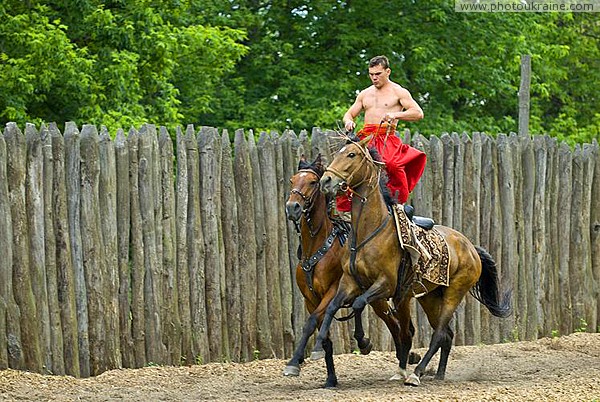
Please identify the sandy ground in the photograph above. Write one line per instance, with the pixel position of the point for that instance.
(560, 369)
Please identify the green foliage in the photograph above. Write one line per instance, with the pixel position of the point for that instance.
(266, 64)
(113, 63)
(583, 325)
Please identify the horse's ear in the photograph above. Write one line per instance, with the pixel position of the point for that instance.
(365, 141)
(318, 163)
(302, 162)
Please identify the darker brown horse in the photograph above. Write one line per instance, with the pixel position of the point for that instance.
(323, 251)
(375, 270)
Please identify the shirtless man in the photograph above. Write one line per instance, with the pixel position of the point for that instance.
(384, 103)
(384, 100)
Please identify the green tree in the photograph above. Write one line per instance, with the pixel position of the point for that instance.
(115, 63)
(307, 60)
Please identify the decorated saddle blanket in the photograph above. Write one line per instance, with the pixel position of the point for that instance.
(428, 249)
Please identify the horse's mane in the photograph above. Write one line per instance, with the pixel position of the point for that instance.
(383, 177)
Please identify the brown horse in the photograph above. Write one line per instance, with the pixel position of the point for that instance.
(375, 270)
(323, 251)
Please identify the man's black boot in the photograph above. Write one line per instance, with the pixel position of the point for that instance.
(409, 210)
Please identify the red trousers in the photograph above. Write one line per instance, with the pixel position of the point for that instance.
(404, 164)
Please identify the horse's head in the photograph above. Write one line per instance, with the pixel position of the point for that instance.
(305, 188)
(351, 166)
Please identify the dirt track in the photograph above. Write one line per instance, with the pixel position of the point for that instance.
(561, 369)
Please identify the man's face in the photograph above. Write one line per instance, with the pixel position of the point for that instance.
(379, 75)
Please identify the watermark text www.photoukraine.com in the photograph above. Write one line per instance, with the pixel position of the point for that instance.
(526, 6)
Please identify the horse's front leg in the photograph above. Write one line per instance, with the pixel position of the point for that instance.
(345, 293)
(379, 290)
(292, 369)
(364, 344)
(316, 317)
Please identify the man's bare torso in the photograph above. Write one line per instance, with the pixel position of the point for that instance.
(377, 102)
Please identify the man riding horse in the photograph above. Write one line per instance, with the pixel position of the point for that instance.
(384, 103)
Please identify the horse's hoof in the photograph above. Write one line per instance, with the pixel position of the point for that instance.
(291, 371)
(413, 380)
(414, 358)
(367, 349)
(399, 376)
(317, 354)
(331, 384)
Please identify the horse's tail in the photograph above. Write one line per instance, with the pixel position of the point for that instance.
(487, 288)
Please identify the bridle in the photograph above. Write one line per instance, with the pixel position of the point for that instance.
(344, 186)
(308, 205)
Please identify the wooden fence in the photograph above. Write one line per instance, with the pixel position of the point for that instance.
(137, 250)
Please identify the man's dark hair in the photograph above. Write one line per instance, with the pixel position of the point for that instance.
(379, 61)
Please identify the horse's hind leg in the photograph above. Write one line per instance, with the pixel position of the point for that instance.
(445, 346)
(439, 306)
(331, 377)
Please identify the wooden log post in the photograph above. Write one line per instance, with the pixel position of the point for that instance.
(448, 181)
(64, 259)
(51, 270)
(485, 215)
(94, 256)
(152, 275)
(577, 276)
(540, 261)
(10, 327)
(565, 184)
(22, 278)
(247, 246)
(183, 273)
(552, 295)
(470, 225)
(509, 260)
(209, 147)
(138, 320)
(123, 215)
(529, 273)
(584, 306)
(268, 168)
(524, 95)
(285, 270)
(196, 253)
(34, 205)
(589, 301)
(260, 235)
(171, 320)
(520, 277)
(73, 189)
(231, 250)
(595, 232)
(496, 238)
(456, 197)
(422, 200)
(107, 191)
(290, 149)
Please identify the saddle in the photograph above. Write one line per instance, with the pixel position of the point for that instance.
(425, 223)
(426, 246)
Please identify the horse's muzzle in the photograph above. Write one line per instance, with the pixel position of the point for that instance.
(293, 210)
(326, 184)
(330, 184)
